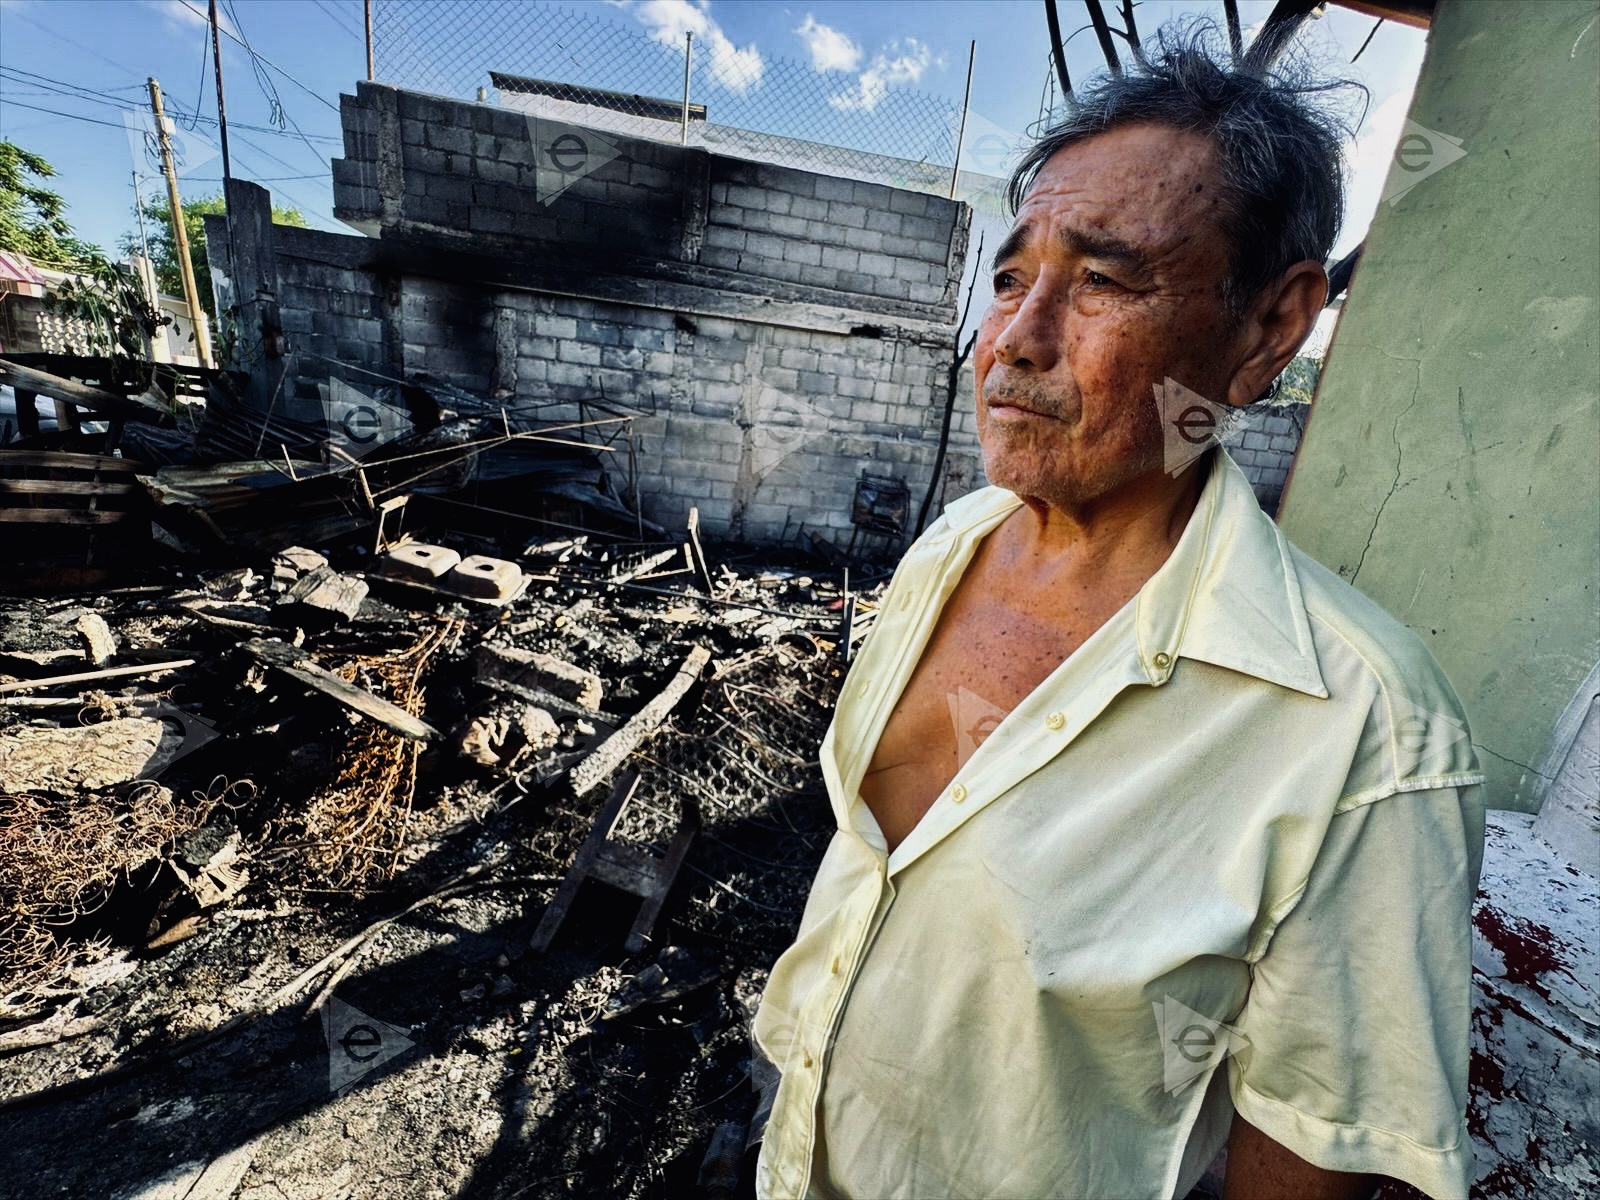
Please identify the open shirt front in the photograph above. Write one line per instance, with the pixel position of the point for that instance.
(1240, 827)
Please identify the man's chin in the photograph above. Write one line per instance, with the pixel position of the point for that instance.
(1056, 481)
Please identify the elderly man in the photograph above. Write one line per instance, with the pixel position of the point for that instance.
(1206, 881)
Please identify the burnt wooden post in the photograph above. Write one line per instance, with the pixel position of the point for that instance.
(252, 284)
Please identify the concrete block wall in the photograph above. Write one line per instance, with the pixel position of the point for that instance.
(1263, 441)
(779, 332)
(831, 233)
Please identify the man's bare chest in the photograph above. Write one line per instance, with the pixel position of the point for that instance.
(986, 654)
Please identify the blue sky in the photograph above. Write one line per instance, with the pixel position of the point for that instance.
(72, 71)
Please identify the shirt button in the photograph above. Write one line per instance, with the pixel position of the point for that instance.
(905, 601)
(806, 1060)
(1162, 660)
(834, 967)
(1056, 720)
(958, 793)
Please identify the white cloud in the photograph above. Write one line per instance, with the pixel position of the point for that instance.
(898, 62)
(181, 17)
(735, 68)
(830, 50)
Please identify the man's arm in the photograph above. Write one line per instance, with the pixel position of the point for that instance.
(1259, 1168)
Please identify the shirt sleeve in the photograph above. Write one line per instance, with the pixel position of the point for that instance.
(1357, 1022)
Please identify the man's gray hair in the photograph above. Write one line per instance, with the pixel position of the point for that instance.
(1279, 154)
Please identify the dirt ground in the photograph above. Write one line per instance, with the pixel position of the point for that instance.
(439, 1057)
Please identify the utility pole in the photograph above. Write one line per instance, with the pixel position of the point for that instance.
(222, 115)
(371, 75)
(180, 235)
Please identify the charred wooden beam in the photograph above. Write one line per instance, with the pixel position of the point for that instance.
(297, 665)
(111, 404)
(622, 743)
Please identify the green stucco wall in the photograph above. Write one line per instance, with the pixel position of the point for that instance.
(1451, 466)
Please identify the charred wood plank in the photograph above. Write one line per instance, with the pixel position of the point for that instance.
(622, 743)
(112, 404)
(297, 665)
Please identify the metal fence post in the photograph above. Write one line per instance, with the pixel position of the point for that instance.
(961, 133)
(688, 58)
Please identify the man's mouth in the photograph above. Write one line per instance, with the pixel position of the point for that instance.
(1010, 406)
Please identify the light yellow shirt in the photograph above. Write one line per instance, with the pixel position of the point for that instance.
(1241, 826)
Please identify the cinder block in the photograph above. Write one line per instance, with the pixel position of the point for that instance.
(837, 258)
(747, 197)
(884, 221)
(450, 138)
(566, 374)
(844, 215)
(721, 259)
(820, 276)
(915, 204)
(788, 227)
(829, 188)
(807, 254)
(728, 395)
(927, 230)
(764, 245)
(808, 210)
(723, 237)
(490, 220)
(880, 265)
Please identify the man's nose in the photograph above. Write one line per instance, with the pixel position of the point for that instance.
(1031, 338)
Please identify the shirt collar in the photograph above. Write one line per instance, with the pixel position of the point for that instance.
(1227, 595)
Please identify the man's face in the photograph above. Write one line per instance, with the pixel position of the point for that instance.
(1110, 282)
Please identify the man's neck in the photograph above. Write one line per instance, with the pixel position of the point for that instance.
(1129, 531)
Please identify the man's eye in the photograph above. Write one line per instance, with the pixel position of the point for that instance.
(1095, 279)
(1004, 281)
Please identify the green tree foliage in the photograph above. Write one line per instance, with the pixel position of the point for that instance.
(164, 249)
(1298, 384)
(32, 217)
(110, 301)
(116, 315)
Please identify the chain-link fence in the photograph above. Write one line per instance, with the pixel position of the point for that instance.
(864, 123)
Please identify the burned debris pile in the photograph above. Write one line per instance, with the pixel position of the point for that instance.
(549, 807)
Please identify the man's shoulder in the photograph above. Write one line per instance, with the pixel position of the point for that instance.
(1415, 706)
(1391, 650)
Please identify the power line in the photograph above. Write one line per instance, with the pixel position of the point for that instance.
(200, 93)
(279, 111)
(339, 21)
(309, 209)
(61, 87)
(257, 56)
(66, 116)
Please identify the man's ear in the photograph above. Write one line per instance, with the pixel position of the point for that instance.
(1279, 321)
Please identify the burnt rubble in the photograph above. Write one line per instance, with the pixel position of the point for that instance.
(532, 821)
